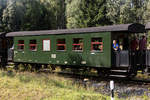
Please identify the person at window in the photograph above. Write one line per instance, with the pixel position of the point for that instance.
(134, 54)
(134, 44)
(142, 48)
(115, 45)
(142, 44)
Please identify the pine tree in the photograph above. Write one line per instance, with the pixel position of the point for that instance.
(126, 11)
(86, 13)
(3, 4)
(113, 10)
(139, 7)
(146, 16)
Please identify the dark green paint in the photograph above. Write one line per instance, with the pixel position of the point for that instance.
(99, 59)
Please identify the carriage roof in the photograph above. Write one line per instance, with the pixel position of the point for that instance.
(132, 28)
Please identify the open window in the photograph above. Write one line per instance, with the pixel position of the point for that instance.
(61, 44)
(97, 44)
(21, 45)
(33, 45)
(46, 45)
(77, 44)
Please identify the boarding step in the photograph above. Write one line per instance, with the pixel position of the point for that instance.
(10, 63)
(119, 71)
(119, 68)
(9, 66)
(117, 76)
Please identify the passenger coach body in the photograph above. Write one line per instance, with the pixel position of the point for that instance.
(88, 47)
(48, 50)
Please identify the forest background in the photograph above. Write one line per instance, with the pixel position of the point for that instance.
(26, 15)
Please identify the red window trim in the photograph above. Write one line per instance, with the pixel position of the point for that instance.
(97, 43)
(63, 44)
(32, 45)
(76, 44)
(92, 43)
(20, 44)
(49, 44)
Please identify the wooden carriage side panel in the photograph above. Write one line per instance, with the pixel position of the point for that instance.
(86, 57)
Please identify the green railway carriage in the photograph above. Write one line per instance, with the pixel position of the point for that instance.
(85, 47)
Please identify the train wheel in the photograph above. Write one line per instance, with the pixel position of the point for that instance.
(51, 67)
(63, 68)
(16, 66)
(103, 73)
(37, 67)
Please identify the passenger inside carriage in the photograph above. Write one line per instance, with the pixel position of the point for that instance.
(134, 44)
(142, 52)
(143, 44)
(115, 46)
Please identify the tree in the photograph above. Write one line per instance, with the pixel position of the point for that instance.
(113, 10)
(139, 7)
(86, 13)
(56, 12)
(33, 15)
(126, 11)
(146, 16)
(3, 4)
(13, 16)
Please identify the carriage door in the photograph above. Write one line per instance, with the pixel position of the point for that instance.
(121, 56)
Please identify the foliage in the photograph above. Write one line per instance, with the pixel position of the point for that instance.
(86, 13)
(146, 16)
(32, 15)
(3, 4)
(126, 11)
(18, 15)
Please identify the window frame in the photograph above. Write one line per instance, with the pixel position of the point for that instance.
(57, 45)
(43, 45)
(73, 44)
(30, 45)
(19, 45)
(98, 43)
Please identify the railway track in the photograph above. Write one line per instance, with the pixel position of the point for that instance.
(97, 78)
(119, 78)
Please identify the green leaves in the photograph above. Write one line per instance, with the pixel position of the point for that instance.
(86, 13)
(32, 15)
(16, 15)
(126, 11)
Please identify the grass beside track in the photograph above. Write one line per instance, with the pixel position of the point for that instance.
(31, 86)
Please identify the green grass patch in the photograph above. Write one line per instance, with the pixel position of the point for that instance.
(31, 86)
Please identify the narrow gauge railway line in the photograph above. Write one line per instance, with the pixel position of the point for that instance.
(85, 77)
(108, 78)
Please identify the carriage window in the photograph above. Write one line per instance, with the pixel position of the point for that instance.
(77, 44)
(96, 44)
(61, 44)
(33, 45)
(46, 45)
(21, 45)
